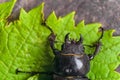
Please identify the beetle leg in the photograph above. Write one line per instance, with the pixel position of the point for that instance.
(97, 46)
(52, 41)
(33, 72)
(43, 23)
(36, 72)
(102, 30)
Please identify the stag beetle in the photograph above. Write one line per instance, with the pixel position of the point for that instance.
(71, 62)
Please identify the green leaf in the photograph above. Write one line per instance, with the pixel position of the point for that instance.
(24, 44)
(6, 9)
(106, 61)
(35, 77)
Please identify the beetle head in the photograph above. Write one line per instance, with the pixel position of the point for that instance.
(73, 46)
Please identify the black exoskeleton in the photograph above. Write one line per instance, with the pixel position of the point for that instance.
(71, 62)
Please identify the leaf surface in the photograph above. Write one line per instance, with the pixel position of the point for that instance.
(24, 44)
(6, 9)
